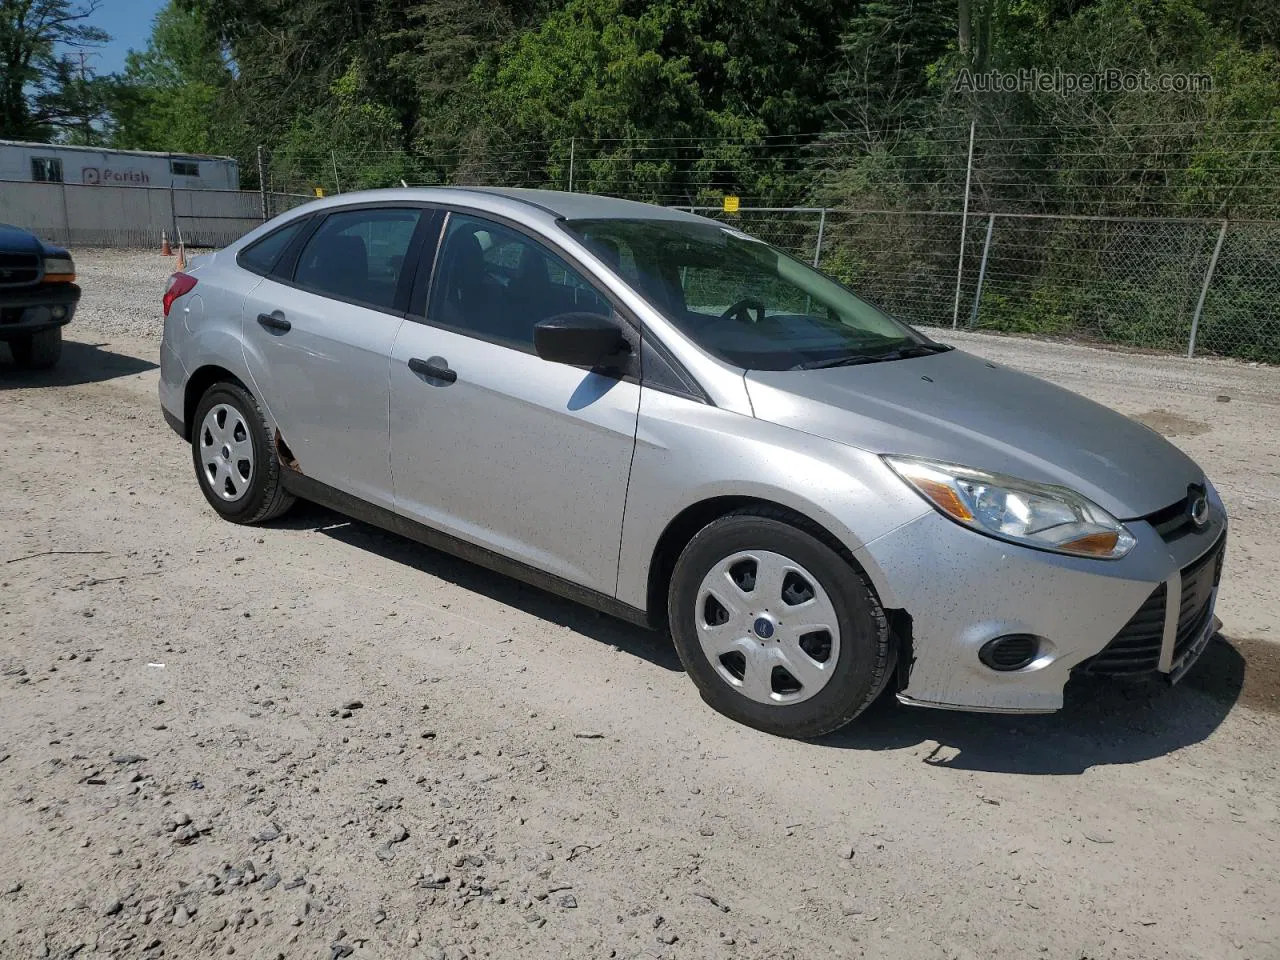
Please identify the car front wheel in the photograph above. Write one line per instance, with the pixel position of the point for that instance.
(776, 628)
(38, 351)
(234, 460)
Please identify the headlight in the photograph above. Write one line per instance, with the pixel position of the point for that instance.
(1033, 514)
(59, 270)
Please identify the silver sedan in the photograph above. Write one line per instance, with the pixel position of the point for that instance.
(663, 417)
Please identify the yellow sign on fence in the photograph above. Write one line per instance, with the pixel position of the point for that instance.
(319, 191)
(730, 204)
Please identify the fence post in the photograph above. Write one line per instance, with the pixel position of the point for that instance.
(1204, 290)
(817, 247)
(982, 270)
(964, 227)
(173, 206)
(66, 215)
(262, 185)
(573, 142)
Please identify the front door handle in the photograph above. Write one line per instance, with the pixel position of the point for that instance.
(275, 321)
(437, 368)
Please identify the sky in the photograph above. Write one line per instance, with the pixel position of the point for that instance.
(129, 23)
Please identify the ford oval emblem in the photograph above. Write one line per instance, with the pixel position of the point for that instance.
(1198, 510)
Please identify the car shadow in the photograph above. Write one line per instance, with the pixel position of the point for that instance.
(80, 363)
(1103, 722)
(644, 644)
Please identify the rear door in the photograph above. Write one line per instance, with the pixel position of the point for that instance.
(493, 444)
(318, 334)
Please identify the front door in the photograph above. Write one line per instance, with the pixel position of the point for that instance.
(491, 443)
(318, 344)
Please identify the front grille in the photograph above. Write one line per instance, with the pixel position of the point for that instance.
(1198, 581)
(19, 269)
(1136, 648)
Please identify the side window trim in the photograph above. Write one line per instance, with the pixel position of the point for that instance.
(670, 375)
(287, 262)
(425, 270)
(413, 256)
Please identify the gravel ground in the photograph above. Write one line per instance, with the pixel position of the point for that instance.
(316, 739)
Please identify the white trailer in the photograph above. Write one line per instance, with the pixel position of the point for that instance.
(97, 166)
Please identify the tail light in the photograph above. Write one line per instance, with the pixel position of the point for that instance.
(179, 285)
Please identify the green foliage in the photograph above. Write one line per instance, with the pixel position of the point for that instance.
(169, 96)
(848, 102)
(45, 88)
(354, 125)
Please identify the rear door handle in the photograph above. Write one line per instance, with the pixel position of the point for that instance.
(275, 321)
(437, 368)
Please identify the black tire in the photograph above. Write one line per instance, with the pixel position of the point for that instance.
(867, 653)
(38, 351)
(265, 497)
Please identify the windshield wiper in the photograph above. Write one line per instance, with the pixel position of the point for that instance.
(853, 360)
(922, 350)
(850, 361)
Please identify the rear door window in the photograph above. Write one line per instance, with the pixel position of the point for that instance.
(359, 255)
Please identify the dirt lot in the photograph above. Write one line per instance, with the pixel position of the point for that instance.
(318, 740)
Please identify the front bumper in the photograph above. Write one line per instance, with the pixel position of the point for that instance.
(29, 310)
(961, 589)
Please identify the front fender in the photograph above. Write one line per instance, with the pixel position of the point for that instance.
(688, 453)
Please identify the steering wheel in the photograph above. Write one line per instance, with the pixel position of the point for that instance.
(738, 310)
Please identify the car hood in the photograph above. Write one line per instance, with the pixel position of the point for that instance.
(16, 240)
(961, 409)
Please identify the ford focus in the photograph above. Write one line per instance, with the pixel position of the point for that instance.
(663, 417)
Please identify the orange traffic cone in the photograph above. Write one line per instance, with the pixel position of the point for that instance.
(165, 249)
(182, 257)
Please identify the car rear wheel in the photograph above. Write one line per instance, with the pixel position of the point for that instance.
(233, 456)
(776, 628)
(38, 351)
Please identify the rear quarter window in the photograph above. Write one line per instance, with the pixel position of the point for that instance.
(261, 255)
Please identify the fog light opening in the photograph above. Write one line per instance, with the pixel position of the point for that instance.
(59, 312)
(1011, 652)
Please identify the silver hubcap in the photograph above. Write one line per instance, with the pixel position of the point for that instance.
(768, 627)
(226, 452)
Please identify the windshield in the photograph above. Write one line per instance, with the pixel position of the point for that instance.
(742, 300)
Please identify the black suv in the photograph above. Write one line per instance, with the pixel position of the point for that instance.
(38, 296)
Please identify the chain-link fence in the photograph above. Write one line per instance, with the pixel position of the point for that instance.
(975, 234)
(1241, 315)
(1152, 283)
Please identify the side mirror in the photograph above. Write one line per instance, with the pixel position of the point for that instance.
(579, 339)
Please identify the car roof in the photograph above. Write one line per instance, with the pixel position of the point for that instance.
(583, 206)
(558, 203)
